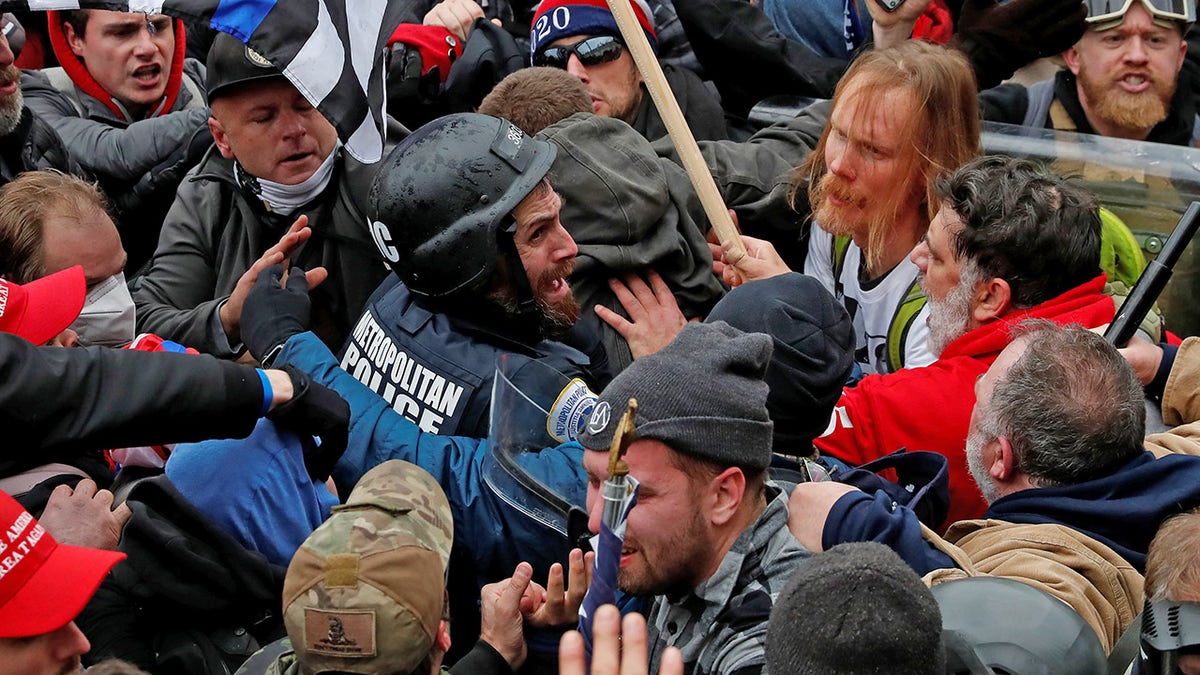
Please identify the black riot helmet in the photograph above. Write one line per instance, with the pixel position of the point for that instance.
(1015, 629)
(440, 205)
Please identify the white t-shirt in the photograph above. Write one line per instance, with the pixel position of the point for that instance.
(871, 309)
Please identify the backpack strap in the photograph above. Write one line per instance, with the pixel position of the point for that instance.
(1041, 94)
(837, 260)
(902, 320)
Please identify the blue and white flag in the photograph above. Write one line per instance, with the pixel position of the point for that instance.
(333, 51)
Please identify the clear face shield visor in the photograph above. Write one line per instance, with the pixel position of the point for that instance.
(1104, 14)
(525, 425)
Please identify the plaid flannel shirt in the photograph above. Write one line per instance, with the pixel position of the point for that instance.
(721, 626)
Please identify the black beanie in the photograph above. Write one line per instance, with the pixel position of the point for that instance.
(855, 609)
(703, 395)
(813, 355)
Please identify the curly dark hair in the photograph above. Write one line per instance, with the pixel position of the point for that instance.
(1024, 224)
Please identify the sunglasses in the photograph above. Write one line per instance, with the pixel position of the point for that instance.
(1104, 11)
(590, 52)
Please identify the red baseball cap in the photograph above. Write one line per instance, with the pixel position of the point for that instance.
(43, 584)
(41, 309)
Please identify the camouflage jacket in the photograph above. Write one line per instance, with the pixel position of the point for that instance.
(721, 626)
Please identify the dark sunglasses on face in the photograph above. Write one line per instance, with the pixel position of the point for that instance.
(591, 52)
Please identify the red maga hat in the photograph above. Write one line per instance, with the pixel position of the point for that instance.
(41, 309)
(43, 584)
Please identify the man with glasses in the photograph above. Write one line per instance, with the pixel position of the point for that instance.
(1121, 80)
(582, 38)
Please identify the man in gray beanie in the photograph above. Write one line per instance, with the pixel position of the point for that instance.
(859, 609)
(708, 537)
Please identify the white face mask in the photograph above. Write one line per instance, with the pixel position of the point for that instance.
(107, 318)
(285, 199)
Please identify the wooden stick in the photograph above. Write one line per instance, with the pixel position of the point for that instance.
(681, 134)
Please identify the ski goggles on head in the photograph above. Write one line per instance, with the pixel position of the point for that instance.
(591, 52)
(1113, 11)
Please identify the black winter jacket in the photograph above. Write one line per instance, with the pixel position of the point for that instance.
(34, 146)
(188, 597)
(63, 405)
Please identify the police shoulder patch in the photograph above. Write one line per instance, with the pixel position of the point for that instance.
(571, 410)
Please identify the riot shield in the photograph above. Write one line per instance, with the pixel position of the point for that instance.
(541, 412)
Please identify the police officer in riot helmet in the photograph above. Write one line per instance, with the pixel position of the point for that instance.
(466, 217)
(464, 214)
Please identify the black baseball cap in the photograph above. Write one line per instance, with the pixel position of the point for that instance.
(230, 62)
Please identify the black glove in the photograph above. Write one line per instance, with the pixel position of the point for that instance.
(315, 410)
(271, 313)
(412, 98)
(490, 55)
(1001, 37)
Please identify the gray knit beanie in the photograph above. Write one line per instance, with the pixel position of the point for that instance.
(854, 609)
(703, 395)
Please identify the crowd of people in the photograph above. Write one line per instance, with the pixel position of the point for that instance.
(277, 410)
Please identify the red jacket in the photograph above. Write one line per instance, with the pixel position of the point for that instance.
(930, 408)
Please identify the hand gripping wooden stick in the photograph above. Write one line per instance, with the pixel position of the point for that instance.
(681, 134)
